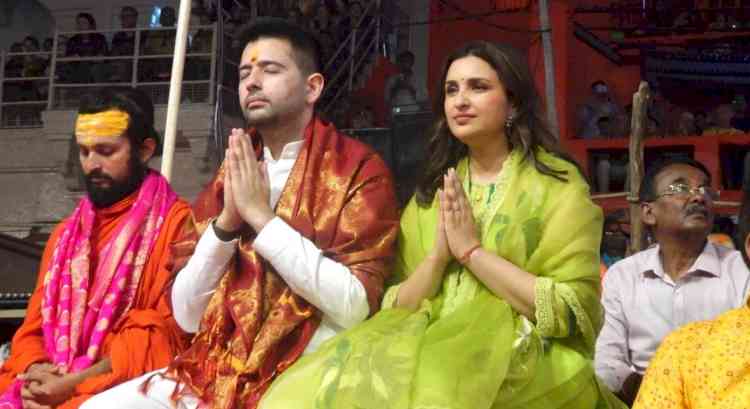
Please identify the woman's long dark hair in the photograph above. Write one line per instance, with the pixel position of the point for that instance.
(528, 132)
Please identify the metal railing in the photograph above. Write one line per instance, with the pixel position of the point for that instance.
(23, 88)
(361, 44)
(67, 77)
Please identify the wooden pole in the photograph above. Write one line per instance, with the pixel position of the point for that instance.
(638, 126)
(175, 88)
(549, 67)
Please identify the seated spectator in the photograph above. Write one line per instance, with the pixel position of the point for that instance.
(33, 65)
(199, 68)
(723, 115)
(13, 90)
(682, 279)
(123, 44)
(593, 119)
(704, 364)
(701, 121)
(85, 45)
(326, 18)
(686, 125)
(24, 65)
(599, 104)
(14, 64)
(160, 42)
(203, 37)
(403, 93)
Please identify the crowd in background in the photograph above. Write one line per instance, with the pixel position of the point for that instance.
(602, 117)
(681, 16)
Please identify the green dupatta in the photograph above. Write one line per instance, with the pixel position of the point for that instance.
(467, 348)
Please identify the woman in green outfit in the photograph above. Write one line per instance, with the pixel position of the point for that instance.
(497, 301)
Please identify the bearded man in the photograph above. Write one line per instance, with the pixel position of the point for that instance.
(100, 314)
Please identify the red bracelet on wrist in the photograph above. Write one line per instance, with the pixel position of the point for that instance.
(465, 258)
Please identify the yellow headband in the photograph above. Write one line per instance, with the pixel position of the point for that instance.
(107, 124)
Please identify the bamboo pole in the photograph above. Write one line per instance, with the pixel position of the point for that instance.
(175, 88)
(549, 67)
(638, 126)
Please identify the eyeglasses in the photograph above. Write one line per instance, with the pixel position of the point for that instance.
(684, 190)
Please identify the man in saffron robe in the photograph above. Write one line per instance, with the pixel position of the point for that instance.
(290, 248)
(100, 314)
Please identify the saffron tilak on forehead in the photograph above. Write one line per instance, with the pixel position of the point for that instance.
(254, 54)
(107, 124)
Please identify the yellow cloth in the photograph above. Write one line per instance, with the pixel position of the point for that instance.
(702, 365)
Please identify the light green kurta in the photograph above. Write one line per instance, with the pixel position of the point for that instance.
(467, 348)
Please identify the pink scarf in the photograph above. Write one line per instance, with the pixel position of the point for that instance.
(77, 315)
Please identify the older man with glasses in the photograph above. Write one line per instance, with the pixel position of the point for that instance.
(681, 279)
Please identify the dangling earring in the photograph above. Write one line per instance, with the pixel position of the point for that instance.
(509, 122)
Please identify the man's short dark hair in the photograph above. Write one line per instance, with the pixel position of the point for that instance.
(134, 102)
(306, 49)
(648, 192)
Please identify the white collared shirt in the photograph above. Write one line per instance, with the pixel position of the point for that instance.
(642, 305)
(325, 283)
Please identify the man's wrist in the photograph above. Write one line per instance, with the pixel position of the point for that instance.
(260, 222)
(223, 234)
(228, 223)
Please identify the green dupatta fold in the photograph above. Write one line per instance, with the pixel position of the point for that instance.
(467, 348)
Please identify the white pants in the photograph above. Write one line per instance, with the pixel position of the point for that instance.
(128, 395)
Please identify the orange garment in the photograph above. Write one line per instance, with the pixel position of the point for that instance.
(146, 340)
(700, 366)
